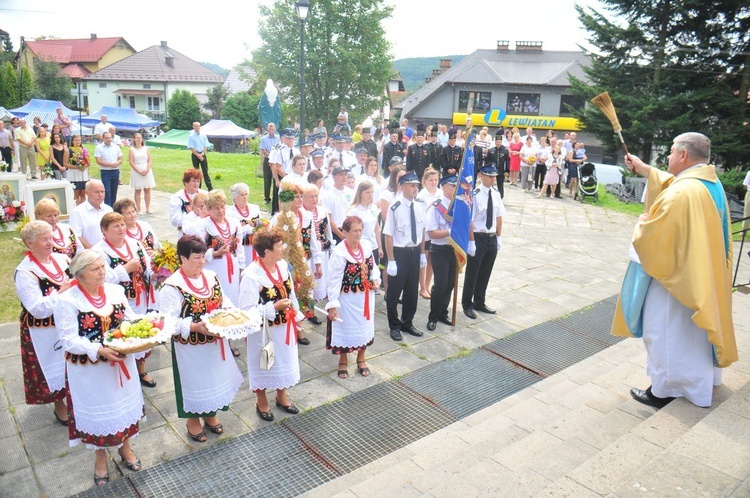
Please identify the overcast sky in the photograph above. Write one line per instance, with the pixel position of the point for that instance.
(220, 31)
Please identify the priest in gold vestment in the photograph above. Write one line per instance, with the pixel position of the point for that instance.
(677, 292)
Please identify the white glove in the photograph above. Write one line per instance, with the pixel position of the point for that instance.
(392, 269)
(499, 243)
(472, 248)
(422, 260)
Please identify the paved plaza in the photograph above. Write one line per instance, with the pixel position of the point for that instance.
(575, 433)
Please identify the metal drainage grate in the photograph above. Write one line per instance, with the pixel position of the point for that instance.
(594, 322)
(368, 425)
(463, 386)
(546, 348)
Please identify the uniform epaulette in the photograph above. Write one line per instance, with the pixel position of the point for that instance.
(494, 187)
(418, 199)
(395, 205)
(435, 203)
(476, 190)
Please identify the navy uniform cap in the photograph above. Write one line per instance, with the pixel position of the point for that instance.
(449, 180)
(362, 150)
(341, 138)
(316, 153)
(396, 160)
(339, 169)
(409, 178)
(287, 132)
(319, 136)
(489, 170)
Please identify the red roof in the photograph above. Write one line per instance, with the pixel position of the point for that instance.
(75, 71)
(79, 50)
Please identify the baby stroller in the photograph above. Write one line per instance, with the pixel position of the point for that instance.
(587, 182)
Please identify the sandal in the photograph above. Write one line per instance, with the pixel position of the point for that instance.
(132, 466)
(198, 438)
(101, 480)
(363, 371)
(216, 429)
(425, 294)
(235, 352)
(63, 422)
(343, 373)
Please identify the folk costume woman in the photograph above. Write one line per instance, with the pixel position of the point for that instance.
(105, 402)
(64, 240)
(179, 204)
(322, 230)
(248, 216)
(128, 265)
(40, 278)
(352, 280)
(206, 376)
(267, 285)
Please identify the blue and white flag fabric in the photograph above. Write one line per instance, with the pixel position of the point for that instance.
(459, 212)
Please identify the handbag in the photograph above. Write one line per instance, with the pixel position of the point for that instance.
(268, 351)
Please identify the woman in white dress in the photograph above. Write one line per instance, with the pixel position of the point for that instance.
(179, 204)
(351, 299)
(141, 176)
(78, 168)
(105, 402)
(429, 194)
(248, 216)
(372, 175)
(206, 376)
(267, 285)
(64, 240)
(364, 208)
(40, 278)
(128, 265)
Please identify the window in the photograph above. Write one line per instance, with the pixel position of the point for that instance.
(153, 103)
(147, 86)
(480, 101)
(523, 103)
(570, 102)
(131, 99)
(119, 101)
(102, 85)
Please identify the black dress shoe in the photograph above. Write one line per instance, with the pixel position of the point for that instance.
(266, 416)
(431, 325)
(144, 382)
(470, 313)
(647, 398)
(304, 341)
(411, 329)
(396, 334)
(314, 320)
(445, 320)
(484, 309)
(289, 409)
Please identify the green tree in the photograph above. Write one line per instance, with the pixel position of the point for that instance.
(347, 60)
(670, 66)
(183, 109)
(50, 83)
(27, 86)
(8, 52)
(242, 109)
(9, 87)
(217, 96)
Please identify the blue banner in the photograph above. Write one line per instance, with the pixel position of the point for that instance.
(459, 212)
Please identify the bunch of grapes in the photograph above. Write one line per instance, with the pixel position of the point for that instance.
(142, 329)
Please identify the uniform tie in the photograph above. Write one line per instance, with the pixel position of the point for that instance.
(488, 221)
(413, 224)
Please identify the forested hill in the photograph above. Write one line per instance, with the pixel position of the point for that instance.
(415, 69)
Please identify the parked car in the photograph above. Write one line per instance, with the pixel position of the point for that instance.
(608, 173)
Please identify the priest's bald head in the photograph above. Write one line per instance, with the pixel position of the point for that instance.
(688, 150)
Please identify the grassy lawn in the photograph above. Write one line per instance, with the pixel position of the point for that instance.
(11, 253)
(611, 202)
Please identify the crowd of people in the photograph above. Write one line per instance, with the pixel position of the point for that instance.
(344, 227)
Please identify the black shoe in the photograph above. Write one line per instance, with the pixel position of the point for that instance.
(314, 320)
(431, 325)
(557, 197)
(647, 398)
(144, 382)
(445, 320)
(396, 335)
(266, 416)
(469, 311)
(484, 309)
(101, 480)
(289, 409)
(304, 341)
(410, 329)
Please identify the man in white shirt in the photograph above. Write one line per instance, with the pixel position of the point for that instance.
(109, 158)
(100, 128)
(337, 200)
(86, 217)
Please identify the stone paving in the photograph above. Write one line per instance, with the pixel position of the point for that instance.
(558, 256)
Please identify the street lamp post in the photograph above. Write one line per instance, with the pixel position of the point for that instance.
(303, 8)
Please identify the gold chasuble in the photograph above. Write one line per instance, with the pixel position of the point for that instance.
(682, 246)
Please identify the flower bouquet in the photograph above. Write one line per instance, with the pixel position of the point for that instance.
(531, 160)
(164, 263)
(134, 336)
(232, 323)
(4, 167)
(80, 157)
(47, 170)
(12, 212)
